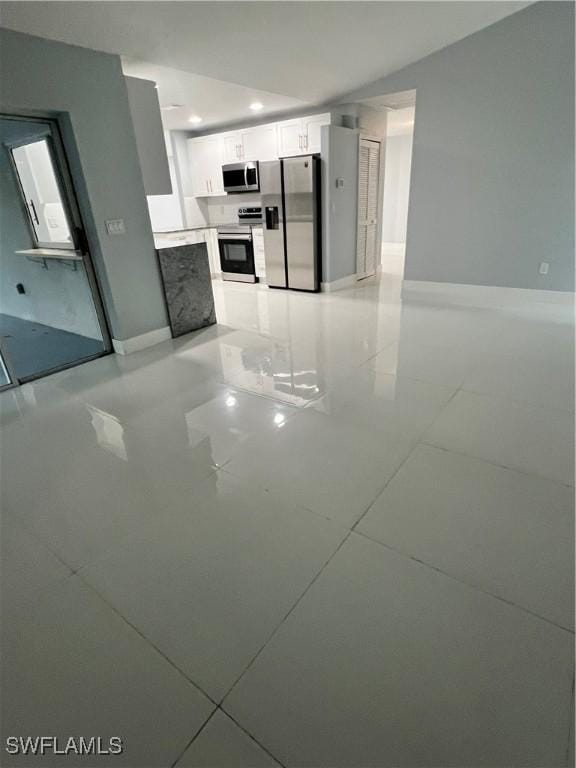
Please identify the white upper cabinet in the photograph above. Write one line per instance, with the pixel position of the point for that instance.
(232, 146)
(260, 143)
(206, 159)
(207, 154)
(301, 136)
(312, 132)
(290, 138)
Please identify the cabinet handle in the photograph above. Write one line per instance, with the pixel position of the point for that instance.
(207, 186)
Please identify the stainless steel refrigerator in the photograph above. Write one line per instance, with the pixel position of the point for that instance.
(290, 193)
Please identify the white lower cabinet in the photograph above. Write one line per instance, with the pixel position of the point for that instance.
(213, 251)
(259, 256)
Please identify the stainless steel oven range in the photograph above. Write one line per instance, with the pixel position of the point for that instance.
(237, 253)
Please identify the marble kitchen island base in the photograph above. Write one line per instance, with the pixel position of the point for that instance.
(187, 286)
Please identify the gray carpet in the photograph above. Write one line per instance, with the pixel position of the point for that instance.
(35, 348)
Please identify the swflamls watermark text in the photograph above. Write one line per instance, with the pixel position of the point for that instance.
(72, 745)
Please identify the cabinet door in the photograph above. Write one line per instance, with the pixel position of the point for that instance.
(260, 143)
(290, 138)
(213, 158)
(232, 147)
(197, 166)
(312, 131)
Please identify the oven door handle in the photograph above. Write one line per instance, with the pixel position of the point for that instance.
(234, 237)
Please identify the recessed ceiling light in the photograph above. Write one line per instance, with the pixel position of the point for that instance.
(256, 106)
(194, 119)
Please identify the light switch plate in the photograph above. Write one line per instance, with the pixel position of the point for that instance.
(115, 227)
(544, 267)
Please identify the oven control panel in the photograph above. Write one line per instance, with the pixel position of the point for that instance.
(247, 215)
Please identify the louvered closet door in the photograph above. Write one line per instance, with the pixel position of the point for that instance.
(368, 179)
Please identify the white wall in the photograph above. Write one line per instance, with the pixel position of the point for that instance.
(492, 190)
(339, 204)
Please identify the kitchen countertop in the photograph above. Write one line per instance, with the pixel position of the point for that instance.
(194, 229)
(174, 237)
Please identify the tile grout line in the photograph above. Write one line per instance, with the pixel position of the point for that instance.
(238, 725)
(524, 472)
(399, 467)
(146, 639)
(468, 584)
(193, 739)
(254, 739)
(386, 484)
(282, 621)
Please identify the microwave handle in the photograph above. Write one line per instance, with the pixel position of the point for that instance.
(246, 175)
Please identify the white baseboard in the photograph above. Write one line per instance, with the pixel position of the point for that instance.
(337, 285)
(136, 343)
(484, 294)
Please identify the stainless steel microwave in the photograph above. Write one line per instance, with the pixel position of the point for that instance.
(241, 177)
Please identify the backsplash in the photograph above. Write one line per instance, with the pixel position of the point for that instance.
(212, 211)
(224, 210)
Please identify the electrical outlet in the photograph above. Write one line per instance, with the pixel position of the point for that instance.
(115, 227)
(544, 267)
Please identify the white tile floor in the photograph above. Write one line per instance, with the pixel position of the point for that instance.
(335, 530)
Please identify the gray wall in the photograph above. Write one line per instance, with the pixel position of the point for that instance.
(145, 111)
(492, 188)
(87, 91)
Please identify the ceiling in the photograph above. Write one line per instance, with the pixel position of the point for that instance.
(284, 54)
(215, 101)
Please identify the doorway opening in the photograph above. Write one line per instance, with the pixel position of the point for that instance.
(398, 167)
(51, 314)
